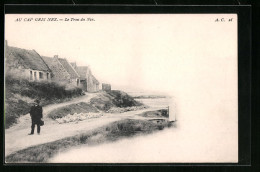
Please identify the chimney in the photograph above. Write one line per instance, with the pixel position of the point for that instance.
(56, 56)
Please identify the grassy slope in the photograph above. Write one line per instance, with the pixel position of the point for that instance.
(71, 109)
(113, 98)
(19, 94)
(102, 102)
(110, 132)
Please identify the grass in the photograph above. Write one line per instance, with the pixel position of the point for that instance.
(122, 99)
(102, 102)
(20, 93)
(107, 133)
(81, 107)
(158, 113)
(113, 98)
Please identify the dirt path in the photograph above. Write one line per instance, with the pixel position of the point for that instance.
(17, 136)
(24, 121)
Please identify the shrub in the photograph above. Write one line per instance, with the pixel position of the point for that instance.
(107, 133)
(121, 99)
(158, 113)
(48, 92)
(112, 99)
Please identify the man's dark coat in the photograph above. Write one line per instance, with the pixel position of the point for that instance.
(36, 114)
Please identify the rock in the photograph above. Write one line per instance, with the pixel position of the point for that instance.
(78, 117)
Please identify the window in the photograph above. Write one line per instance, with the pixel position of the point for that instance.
(40, 75)
(31, 75)
(47, 75)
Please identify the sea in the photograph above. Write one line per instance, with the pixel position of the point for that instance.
(199, 135)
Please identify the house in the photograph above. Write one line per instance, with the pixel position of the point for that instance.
(88, 81)
(74, 76)
(106, 87)
(26, 64)
(58, 72)
(62, 71)
(83, 82)
(30, 65)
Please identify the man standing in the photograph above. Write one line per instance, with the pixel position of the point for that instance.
(36, 115)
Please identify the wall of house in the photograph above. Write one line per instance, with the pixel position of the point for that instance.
(35, 75)
(83, 85)
(89, 84)
(19, 71)
(92, 86)
(75, 82)
(97, 87)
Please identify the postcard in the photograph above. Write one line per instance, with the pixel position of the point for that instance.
(121, 88)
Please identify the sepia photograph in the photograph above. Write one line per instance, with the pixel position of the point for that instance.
(121, 88)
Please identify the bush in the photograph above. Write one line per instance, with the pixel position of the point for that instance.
(158, 113)
(121, 99)
(48, 92)
(112, 99)
(13, 109)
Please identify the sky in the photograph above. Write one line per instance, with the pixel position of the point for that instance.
(149, 52)
(190, 57)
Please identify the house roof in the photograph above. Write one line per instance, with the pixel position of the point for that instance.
(73, 64)
(30, 59)
(94, 79)
(82, 70)
(57, 69)
(69, 68)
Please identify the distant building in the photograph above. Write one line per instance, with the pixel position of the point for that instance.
(27, 64)
(87, 80)
(106, 87)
